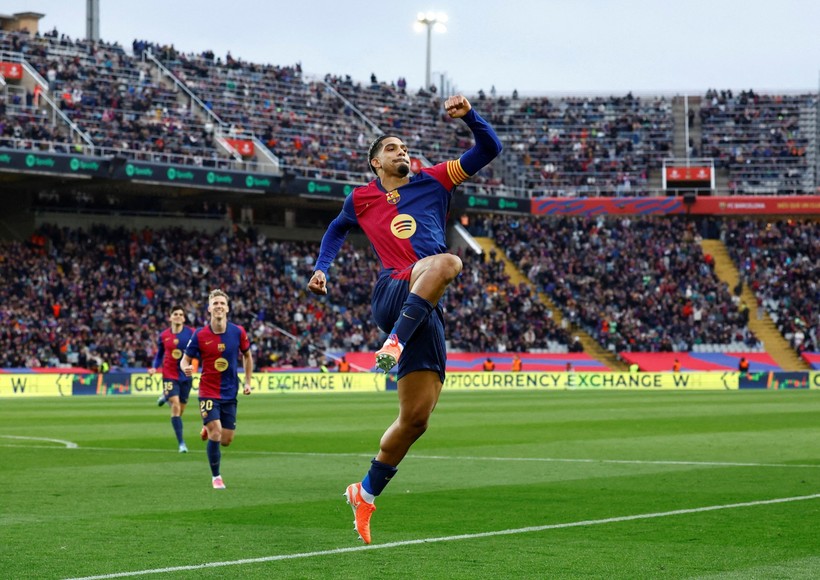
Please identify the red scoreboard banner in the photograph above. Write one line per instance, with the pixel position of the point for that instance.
(756, 204)
(684, 174)
(703, 205)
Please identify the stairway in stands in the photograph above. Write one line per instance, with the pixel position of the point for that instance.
(591, 346)
(763, 327)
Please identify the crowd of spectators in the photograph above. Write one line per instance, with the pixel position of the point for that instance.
(583, 146)
(80, 296)
(486, 312)
(634, 284)
(554, 146)
(762, 139)
(319, 126)
(77, 297)
(312, 132)
(431, 135)
(111, 97)
(780, 261)
(24, 127)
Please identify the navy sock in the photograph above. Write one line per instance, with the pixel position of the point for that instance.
(414, 311)
(176, 423)
(378, 477)
(214, 456)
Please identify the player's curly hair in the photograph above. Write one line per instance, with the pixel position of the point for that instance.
(375, 149)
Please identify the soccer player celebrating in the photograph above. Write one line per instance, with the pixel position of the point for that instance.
(218, 346)
(404, 217)
(176, 386)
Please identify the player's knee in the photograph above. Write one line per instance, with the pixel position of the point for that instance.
(419, 427)
(455, 263)
(417, 422)
(415, 429)
(450, 266)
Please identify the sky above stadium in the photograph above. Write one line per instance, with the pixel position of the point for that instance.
(533, 46)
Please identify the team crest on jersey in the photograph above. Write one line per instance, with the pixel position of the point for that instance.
(403, 226)
(176, 341)
(393, 197)
(221, 347)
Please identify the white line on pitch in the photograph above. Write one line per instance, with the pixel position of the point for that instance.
(67, 444)
(451, 538)
(71, 445)
(627, 461)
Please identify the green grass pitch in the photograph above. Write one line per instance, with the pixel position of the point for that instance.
(503, 485)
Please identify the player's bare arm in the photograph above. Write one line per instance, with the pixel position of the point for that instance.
(186, 366)
(247, 363)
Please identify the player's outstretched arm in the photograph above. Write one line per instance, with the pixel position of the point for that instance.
(487, 144)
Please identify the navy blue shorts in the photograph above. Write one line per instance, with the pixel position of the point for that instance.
(426, 350)
(181, 389)
(213, 409)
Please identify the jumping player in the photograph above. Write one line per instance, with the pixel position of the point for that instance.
(176, 387)
(404, 217)
(218, 346)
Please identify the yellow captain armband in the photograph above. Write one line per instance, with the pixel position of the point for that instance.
(455, 172)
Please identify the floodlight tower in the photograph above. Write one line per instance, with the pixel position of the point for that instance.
(431, 21)
(92, 20)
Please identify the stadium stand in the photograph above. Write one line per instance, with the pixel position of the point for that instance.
(768, 142)
(780, 262)
(317, 125)
(636, 285)
(70, 288)
(312, 133)
(62, 269)
(488, 313)
(583, 146)
(111, 97)
(131, 278)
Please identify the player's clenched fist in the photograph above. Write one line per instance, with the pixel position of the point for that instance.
(457, 106)
(318, 283)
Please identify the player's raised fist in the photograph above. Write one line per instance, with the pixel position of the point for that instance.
(457, 106)
(318, 283)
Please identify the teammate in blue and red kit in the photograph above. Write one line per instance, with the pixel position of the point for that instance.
(218, 346)
(176, 386)
(404, 218)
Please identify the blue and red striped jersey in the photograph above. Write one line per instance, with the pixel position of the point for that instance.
(170, 348)
(219, 360)
(406, 224)
(409, 223)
